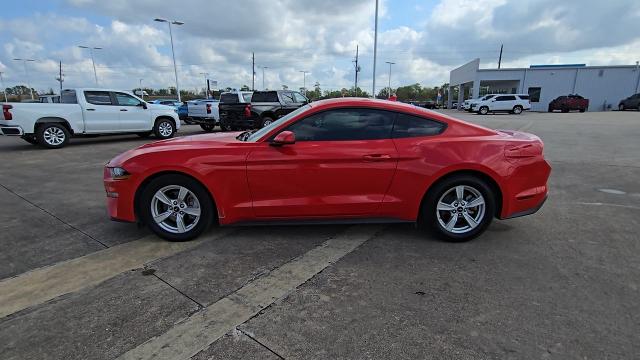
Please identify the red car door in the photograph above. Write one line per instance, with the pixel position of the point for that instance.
(341, 165)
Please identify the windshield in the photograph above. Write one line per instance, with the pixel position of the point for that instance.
(487, 97)
(260, 133)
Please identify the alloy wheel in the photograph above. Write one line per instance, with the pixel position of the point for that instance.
(460, 209)
(176, 209)
(54, 136)
(165, 129)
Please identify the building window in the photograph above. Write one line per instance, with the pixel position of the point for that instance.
(534, 94)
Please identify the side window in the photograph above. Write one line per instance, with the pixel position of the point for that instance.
(505, 98)
(414, 126)
(98, 97)
(127, 100)
(344, 125)
(299, 98)
(287, 98)
(534, 94)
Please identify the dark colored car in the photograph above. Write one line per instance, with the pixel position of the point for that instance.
(265, 108)
(632, 102)
(568, 103)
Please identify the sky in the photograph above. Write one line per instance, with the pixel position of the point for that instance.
(425, 39)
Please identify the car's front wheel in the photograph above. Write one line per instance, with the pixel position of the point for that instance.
(266, 121)
(207, 127)
(459, 208)
(621, 107)
(517, 109)
(176, 207)
(484, 110)
(164, 129)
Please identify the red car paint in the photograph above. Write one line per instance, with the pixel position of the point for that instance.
(254, 181)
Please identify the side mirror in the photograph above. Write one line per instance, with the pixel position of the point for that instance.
(143, 104)
(284, 138)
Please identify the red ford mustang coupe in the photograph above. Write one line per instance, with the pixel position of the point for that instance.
(341, 160)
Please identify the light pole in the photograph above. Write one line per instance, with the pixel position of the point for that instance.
(263, 67)
(206, 84)
(95, 74)
(389, 89)
(375, 52)
(304, 81)
(4, 90)
(173, 53)
(26, 73)
(141, 91)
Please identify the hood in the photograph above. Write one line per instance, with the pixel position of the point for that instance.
(208, 141)
(160, 107)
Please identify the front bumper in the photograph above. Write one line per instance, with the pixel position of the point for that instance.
(8, 130)
(120, 198)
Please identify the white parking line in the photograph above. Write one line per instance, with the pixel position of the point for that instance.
(197, 332)
(43, 284)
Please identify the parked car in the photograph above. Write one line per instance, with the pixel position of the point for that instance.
(454, 105)
(471, 103)
(632, 102)
(204, 112)
(568, 103)
(183, 112)
(87, 112)
(173, 103)
(233, 104)
(265, 108)
(345, 159)
(512, 103)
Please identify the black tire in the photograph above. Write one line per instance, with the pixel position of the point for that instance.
(164, 128)
(207, 208)
(483, 110)
(638, 107)
(225, 125)
(266, 121)
(45, 135)
(145, 134)
(517, 109)
(621, 107)
(564, 109)
(30, 138)
(429, 214)
(550, 109)
(582, 110)
(207, 127)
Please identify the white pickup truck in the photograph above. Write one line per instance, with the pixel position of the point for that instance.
(87, 112)
(204, 112)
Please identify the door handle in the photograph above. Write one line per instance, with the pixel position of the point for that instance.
(91, 109)
(123, 110)
(376, 157)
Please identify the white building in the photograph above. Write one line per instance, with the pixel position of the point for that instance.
(604, 86)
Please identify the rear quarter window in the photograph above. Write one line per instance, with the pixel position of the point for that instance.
(68, 97)
(265, 96)
(407, 126)
(229, 98)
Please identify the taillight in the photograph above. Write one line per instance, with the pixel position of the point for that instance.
(247, 111)
(208, 108)
(6, 113)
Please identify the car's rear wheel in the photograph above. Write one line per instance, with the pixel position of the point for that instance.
(176, 207)
(564, 109)
(484, 110)
(621, 107)
(517, 109)
(638, 107)
(207, 127)
(52, 135)
(266, 121)
(459, 208)
(164, 129)
(583, 110)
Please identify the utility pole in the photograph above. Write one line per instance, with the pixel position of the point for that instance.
(263, 67)
(357, 71)
(95, 74)
(389, 88)
(206, 84)
(500, 57)
(26, 73)
(375, 52)
(141, 90)
(60, 79)
(253, 71)
(304, 81)
(4, 90)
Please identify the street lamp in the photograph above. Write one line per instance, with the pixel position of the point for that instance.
(375, 51)
(173, 53)
(95, 74)
(304, 81)
(263, 67)
(389, 90)
(206, 84)
(26, 73)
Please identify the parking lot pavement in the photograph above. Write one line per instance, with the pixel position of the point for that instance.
(560, 284)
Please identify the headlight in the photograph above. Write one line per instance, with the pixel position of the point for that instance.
(118, 173)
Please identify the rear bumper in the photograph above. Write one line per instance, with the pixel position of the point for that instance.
(239, 122)
(14, 130)
(527, 189)
(526, 212)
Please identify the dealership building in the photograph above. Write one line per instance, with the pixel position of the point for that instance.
(604, 86)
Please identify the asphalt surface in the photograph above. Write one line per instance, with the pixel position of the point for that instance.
(561, 284)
